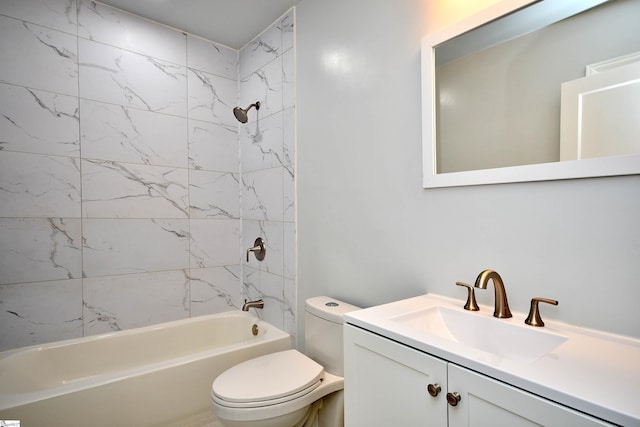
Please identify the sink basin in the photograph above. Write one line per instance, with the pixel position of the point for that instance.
(499, 337)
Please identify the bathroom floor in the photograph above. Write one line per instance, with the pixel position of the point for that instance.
(205, 423)
(200, 420)
(209, 423)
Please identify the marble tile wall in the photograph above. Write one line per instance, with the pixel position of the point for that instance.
(267, 143)
(120, 174)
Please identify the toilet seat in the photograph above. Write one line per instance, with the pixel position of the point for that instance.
(269, 402)
(267, 380)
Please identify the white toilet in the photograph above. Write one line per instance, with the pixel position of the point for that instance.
(289, 389)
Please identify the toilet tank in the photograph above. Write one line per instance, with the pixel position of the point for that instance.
(323, 332)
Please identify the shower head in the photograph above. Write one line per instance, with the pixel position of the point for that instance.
(241, 113)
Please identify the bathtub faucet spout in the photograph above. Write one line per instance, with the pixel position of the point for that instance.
(252, 304)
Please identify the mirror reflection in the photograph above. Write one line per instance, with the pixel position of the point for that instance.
(510, 103)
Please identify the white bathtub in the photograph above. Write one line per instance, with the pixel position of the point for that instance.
(158, 375)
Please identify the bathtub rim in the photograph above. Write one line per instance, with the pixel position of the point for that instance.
(132, 331)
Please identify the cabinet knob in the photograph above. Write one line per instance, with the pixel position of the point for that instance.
(453, 398)
(434, 389)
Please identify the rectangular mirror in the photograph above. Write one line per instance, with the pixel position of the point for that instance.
(504, 89)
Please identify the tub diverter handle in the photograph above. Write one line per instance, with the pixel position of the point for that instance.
(259, 249)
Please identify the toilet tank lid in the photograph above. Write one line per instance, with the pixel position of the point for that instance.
(329, 308)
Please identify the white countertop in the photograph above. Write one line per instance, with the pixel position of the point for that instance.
(594, 372)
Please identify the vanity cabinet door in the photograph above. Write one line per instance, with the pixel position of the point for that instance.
(386, 383)
(488, 402)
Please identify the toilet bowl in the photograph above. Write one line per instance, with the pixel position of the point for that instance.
(288, 388)
(275, 390)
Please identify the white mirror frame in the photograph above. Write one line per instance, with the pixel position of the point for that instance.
(571, 169)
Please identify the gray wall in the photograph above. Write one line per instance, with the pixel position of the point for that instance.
(369, 233)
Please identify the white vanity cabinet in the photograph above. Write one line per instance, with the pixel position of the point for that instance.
(386, 384)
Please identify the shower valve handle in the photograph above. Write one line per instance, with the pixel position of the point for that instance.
(259, 249)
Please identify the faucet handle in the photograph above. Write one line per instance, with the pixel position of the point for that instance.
(534, 318)
(259, 249)
(471, 304)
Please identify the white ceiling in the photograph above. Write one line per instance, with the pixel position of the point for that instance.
(232, 23)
